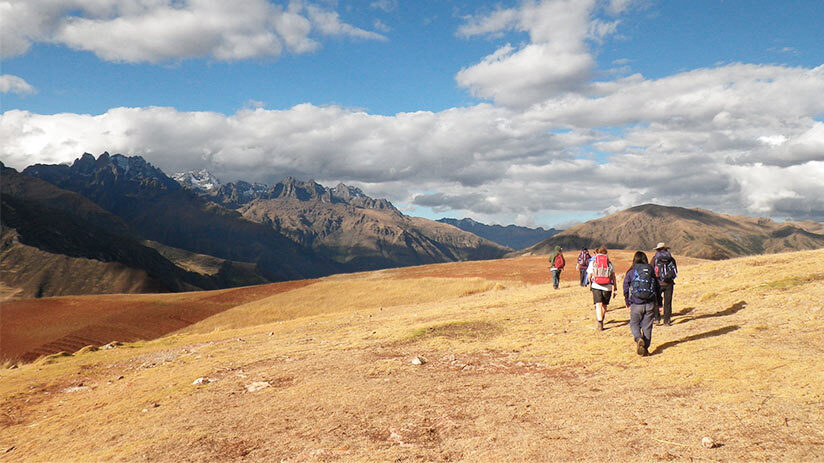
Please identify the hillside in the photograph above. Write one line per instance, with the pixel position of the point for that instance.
(691, 232)
(513, 371)
(351, 228)
(49, 233)
(511, 236)
(157, 208)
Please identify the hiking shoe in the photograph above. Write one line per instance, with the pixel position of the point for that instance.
(642, 348)
(667, 323)
(600, 326)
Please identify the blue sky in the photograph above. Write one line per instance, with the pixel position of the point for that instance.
(530, 112)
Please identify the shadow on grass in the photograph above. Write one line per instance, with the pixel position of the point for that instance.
(684, 311)
(610, 324)
(731, 310)
(695, 337)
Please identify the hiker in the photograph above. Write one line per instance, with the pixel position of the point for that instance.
(556, 265)
(665, 270)
(601, 277)
(583, 263)
(642, 295)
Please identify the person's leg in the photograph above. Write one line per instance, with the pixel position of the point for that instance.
(648, 316)
(668, 303)
(556, 280)
(583, 277)
(635, 318)
(657, 315)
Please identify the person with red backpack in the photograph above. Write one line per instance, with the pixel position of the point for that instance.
(666, 270)
(601, 277)
(582, 264)
(642, 295)
(556, 265)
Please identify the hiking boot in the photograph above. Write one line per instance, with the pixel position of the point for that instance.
(642, 348)
(667, 322)
(600, 325)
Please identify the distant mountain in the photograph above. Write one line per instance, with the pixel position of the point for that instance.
(690, 232)
(511, 236)
(157, 208)
(55, 242)
(201, 180)
(353, 229)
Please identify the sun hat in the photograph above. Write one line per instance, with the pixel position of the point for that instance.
(660, 245)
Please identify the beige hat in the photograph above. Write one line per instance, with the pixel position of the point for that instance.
(660, 246)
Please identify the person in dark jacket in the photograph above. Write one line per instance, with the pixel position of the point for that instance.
(666, 282)
(642, 294)
(582, 264)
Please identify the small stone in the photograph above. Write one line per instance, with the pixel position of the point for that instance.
(271, 333)
(201, 380)
(155, 405)
(120, 377)
(256, 386)
(418, 360)
(145, 410)
(707, 442)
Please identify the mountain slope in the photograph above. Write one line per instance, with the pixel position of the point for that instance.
(55, 242)
(511, 236)
(159, 209)
(351, 228)
(692, 232)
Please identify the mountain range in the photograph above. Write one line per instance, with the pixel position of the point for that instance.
(511, 236)
(351, 228)
(691, 232)
(118, 224)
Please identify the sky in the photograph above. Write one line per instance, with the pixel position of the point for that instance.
(532, 112)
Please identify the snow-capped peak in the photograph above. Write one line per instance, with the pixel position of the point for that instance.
(201, 180)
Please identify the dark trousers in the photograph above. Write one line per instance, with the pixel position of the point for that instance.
(556, 277)
(666, 291)
(641, 317)
(583, 276)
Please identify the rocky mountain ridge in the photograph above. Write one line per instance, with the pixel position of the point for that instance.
(692, 232)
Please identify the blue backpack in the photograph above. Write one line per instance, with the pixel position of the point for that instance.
(641, 285)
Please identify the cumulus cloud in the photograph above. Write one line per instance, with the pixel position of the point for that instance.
(161, 30)
(555, 61)
(14, 84)
(737, 138)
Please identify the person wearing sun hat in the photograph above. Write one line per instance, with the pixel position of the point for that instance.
(666, 270)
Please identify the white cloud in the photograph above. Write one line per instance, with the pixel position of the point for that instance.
(555, 61)
(385, 5)
(14, 84)
(707, 138)
(160, 30)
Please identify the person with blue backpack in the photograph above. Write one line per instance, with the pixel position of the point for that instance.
(666, 270)
(642, 294)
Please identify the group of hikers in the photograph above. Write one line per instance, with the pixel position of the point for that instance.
(647, 287)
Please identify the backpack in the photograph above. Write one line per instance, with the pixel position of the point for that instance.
(641, 285)
(559, 264)
(665, 268)
(583, 258)
(601, 270)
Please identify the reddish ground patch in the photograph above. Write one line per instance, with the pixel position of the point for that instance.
(34, 327)
(529, 270)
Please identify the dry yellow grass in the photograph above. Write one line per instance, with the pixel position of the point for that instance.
(512, 372)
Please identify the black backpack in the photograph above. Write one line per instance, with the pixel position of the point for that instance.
(641, 285)
(665, 268)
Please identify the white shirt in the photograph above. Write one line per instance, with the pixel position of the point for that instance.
(591, 269)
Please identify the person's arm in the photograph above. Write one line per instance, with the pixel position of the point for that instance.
(627, 279)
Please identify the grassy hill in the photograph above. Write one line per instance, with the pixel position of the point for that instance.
(514, 371)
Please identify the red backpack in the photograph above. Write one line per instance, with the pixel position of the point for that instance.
(601, 270)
